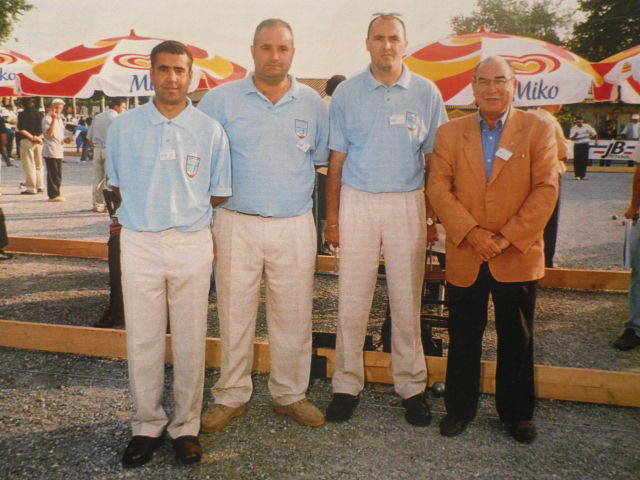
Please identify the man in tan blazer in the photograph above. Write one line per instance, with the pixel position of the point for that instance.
(493, 184)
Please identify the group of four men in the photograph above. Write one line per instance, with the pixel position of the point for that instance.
(251, 148)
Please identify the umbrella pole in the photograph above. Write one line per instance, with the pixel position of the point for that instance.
(135, 102)
(102, 103)
(73, 102)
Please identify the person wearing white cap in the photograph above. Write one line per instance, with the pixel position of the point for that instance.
(631, 131)
(53, 148)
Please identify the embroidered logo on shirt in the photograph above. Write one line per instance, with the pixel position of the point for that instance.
(411, 121)
(302, 128)
(191, 165)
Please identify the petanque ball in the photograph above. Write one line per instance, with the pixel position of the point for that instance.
(437, 389)
(614, 217)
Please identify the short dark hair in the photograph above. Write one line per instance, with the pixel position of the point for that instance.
(269, 23)
(386, 16)
(116, 102)
(332, 83)
(171, 46)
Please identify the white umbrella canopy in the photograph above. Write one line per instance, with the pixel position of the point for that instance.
(547, 74)
(119, 67)
(623, 70)
(11, 63)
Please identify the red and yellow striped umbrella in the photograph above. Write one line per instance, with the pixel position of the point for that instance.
(118, 67)
(547, 74)
(622, 69)
(11, 63)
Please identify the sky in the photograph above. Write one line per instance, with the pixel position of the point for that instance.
(329, 34)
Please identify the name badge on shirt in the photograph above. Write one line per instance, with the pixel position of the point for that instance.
(302, 145)
(167, 155)
(504, 154)
(398, 119)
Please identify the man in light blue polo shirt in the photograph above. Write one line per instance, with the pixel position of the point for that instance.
(278, 131)
(383, 123)
(169, 163)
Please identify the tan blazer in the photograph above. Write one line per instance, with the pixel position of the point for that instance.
(517, 201)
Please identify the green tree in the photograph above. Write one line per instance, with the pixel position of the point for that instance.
(10, 12)
(610, 27)
(540, 19)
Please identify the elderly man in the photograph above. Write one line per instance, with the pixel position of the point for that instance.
(493, 184)
(383, 123)
(53, 149)
(98, 137)
(169, 163)
(278, 132)
(631, 131)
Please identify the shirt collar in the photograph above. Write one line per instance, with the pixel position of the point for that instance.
(372, 83)
(501, 122)
(157, 118)
(250, 87)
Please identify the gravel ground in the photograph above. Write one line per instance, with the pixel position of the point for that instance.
(65, 416)
(588, 236)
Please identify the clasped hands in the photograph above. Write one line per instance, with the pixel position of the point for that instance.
(486, 243)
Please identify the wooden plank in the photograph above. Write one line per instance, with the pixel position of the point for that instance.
(609, 280)
(102, 342)
(558, 383)
(59, 247)
(616, 169)
(612, 280)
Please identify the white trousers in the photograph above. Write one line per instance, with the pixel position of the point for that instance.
(99, 176)
(395, 223)
(285, 250)
(32, 164)
(165, 276)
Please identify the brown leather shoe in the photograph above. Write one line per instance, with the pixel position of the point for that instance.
(218, 416)
(628, 340)
(188, 449)
(303, 411)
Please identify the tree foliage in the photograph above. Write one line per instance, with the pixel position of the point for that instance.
(540, 19)
(10, 12)
(610, 27)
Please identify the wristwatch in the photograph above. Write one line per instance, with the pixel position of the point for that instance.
(430, 221)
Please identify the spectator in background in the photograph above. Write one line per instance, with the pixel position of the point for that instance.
(4, 239)
(631, 131)
(80, 133)
(53, 149)
(10, 119)
(98, 137)
(607, 131)
(548, 112)
(630, 337)
(331, 85)
(29, 134)
(581, 133)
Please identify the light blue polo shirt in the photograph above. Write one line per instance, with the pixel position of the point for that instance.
(385, 131)
(274, 148)
(491, 141)
(167, 170)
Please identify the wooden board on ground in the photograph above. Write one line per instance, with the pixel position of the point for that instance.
(608, 280)
(560, 383)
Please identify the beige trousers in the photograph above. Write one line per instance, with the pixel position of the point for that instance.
(394, 223)
(99, 176)
(31, 158)
(165, 277)
(285, 250)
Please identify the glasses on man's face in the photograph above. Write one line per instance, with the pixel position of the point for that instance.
(501, 82)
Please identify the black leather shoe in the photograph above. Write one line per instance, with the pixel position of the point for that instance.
(188, 449)
(524, 431)
(628, 340)
(140, 450)
(417, 411)
(341, 407)
(450, 426)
